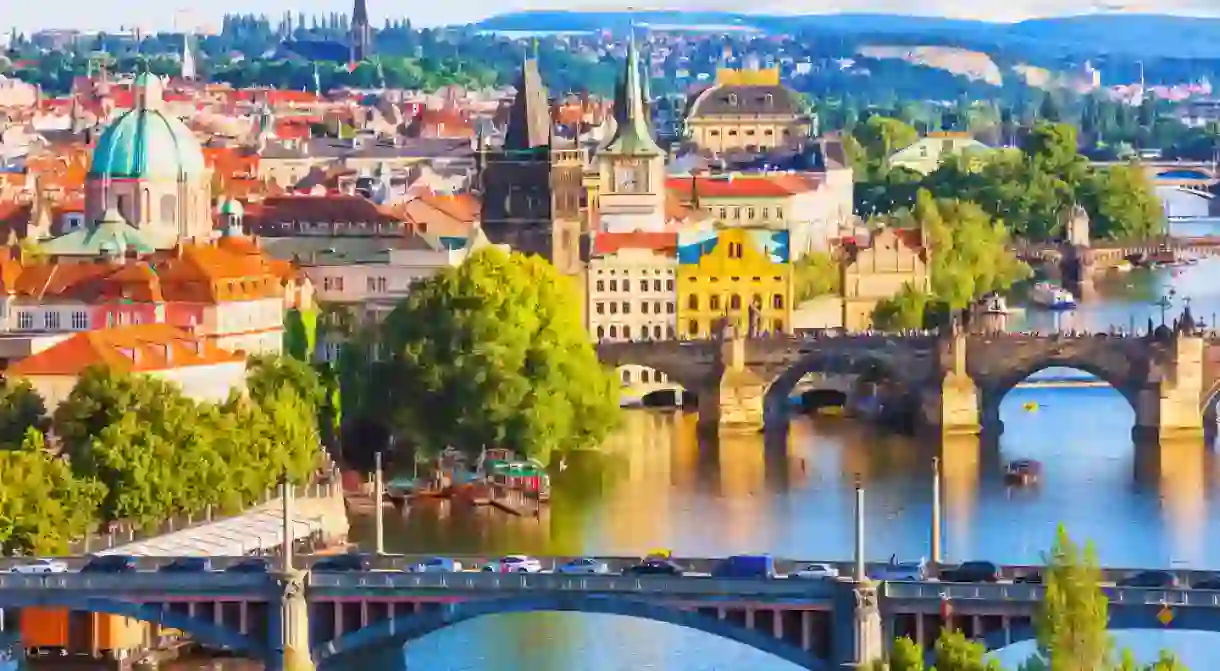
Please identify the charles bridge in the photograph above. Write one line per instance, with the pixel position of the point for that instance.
(950, 383)
(342, 621)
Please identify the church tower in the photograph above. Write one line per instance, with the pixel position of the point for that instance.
(361, 33)
(631, 165)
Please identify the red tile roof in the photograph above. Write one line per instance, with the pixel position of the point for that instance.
(610, 243)
(141, 348)
(745, 186)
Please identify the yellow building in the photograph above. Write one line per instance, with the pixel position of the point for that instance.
(723, 272)
(878, 270)
(746, 109)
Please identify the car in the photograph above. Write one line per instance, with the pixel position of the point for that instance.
(654, 566)
(436, 565)
(901, 571)
(250, 565)
(345, 563)
(110, 564)
(1149, 579)
(41, 566)
(1031, 578)
(513, 564)
(972, 571)
(815, 572)
(585, 565)
(188, 565)
(1211, 581)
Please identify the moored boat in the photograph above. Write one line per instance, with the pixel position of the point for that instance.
(1052, 297)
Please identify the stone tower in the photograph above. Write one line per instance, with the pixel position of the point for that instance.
(361, 33)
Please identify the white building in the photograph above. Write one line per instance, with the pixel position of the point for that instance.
(632, 288)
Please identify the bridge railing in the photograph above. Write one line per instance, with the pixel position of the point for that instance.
(156, 583)
(527, 582)
(1023, 592)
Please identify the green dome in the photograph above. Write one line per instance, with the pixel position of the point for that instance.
(232, 207)
(146, 143)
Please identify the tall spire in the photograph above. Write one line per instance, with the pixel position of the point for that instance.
(633, 136)
(188, 58)
(529, 118)
(361, 33)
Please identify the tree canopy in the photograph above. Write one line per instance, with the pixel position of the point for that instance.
(493, 354)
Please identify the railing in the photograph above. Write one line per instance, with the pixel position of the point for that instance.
(534, 582)
(155, 583)
(1128, 596)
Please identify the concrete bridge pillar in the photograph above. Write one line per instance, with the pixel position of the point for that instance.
(736, 400)
(857, 633)
(952, 406)
(289, 628)
(1169, 409)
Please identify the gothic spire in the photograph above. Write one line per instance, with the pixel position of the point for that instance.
(633, 136)
(529, 118)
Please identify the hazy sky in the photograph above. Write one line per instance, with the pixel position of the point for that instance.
(30, 15)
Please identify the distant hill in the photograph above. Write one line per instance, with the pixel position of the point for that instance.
(1120, 35)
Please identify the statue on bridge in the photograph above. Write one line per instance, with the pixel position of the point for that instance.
(754, 321)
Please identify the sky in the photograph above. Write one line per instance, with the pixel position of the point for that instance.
(30, 15)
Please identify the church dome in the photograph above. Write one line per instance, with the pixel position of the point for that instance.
(147, 143)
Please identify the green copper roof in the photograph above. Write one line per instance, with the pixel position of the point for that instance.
(632, 137)
(112, 235)
(232, 207)
(146, 143)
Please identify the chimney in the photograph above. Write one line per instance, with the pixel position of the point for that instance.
(131, 254)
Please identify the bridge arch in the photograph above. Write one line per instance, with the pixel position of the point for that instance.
(869, 366)
(1132, 618)
(397, 633)
(207, 633)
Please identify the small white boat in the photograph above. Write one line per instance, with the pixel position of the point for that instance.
(1052, 297)
(995, 304)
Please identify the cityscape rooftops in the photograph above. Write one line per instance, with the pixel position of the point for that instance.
(139, 348)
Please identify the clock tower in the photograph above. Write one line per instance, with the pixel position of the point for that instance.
(631, 166)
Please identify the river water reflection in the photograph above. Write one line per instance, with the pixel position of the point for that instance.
(655, 485)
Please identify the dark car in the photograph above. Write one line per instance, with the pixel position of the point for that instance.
(1211, 581)
(110, 564)
(188, 565)
(250, 565)
(654, 567)
(972, 571)
(1031, 578)
(343, 563)
(1149, 579)
(745, 566)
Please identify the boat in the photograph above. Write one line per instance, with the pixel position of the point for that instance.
(1022, 472)
(1052, 297)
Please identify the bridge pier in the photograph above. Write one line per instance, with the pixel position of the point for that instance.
(289, 626)
(952, 406)
(1168, 409)
(736, 401)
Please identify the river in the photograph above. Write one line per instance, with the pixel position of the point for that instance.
(654, 485)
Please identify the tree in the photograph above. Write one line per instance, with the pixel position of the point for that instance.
(21, 409)
(904, 310)
(300, 333)
(816, 274)
(42, 505)
(955, 652)
(1122, 203)
(492, 354)
(881, 136)
(1072, 618)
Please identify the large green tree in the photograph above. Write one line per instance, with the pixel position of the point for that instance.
(21, 408)
(43, 506)
(1072, 620)
(1122, 203)
(493, 354)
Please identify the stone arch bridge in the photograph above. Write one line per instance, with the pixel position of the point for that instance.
(950, 384)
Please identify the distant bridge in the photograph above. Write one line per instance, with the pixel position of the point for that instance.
(1201, 179)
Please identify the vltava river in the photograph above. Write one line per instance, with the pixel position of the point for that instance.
(656, 486)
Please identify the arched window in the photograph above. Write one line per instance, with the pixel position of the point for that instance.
(692, 328)
(644, 376)
(169, 211)
(627, 333)
(777, 301)
(735, 302)
(715, 302)
(693, 302)
(626, 374)
(656, 332)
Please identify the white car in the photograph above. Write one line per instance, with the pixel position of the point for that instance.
(514, 564)
(41, 566)
(584, 565)
(815, 572)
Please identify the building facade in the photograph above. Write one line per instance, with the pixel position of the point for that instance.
(632, 287)
(738, 276)
(746, 109)
(878, 270)
(927, 153)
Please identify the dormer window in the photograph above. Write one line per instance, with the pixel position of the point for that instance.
(733, 99)
(769, 99)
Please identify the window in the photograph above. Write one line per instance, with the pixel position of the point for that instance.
(735, 250)
(714, 302)
(626, 308)
(626, 373)
(692, 302)
(601, 332)
(643, 285)
(169, 210)
(779, 213)
(777, 301)
(656, 332)
(613, 308)
(601, 308)
(724, 213)
(25, 320)
(80, 321)
(669, 307)
(749, 213)
(601, 286)
(737, 213)
(692, 328)
(613, 331)
(643, 307)
(669, 285)
(626, 286)
(645, 377)
(656, 285)
(735, 302)
(627, 332)
(714, 133)
(613, 285)
(332, 284)
(50, 320)
(766, 212)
